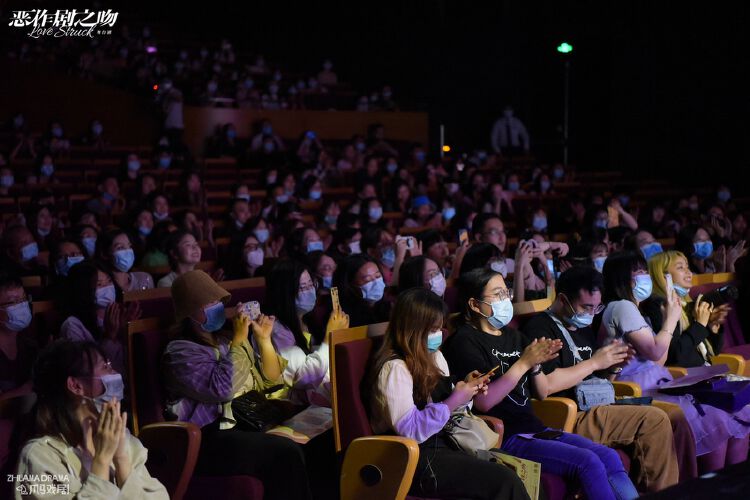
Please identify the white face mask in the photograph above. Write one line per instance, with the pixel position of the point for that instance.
(255, 258)
(438, 285)
(354, 247)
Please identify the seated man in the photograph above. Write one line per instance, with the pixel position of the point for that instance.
(644, 430)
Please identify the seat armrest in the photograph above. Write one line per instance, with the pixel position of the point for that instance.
(735, 362)
(677, 371)
(556, 412)
(496, 425)
(623, 388)
(379, 467)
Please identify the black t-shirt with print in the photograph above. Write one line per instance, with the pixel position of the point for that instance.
(542, 325)
(471, 349)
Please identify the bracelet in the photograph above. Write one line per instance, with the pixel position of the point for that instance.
(536, 372)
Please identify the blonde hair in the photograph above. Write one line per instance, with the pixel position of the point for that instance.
(658, 266)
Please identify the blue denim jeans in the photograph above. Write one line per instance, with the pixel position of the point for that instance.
(596, 467)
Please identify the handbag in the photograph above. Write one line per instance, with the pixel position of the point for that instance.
(254, 412)
(718, 392)
(466, 432)
(593, 391)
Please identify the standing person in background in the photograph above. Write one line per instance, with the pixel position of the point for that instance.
(509, 135)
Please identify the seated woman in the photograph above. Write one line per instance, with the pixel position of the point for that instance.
(64, 254)
(482, 342)
(421, 272)
(115, 252)
(17, 348)
(92, 313)
(184, 254)
(245, 257)
(361, 290)
(627, 284)
(290, 298)
(411, 395)
(82, 435)
(205, 368)
(301, 242)
(322, 267)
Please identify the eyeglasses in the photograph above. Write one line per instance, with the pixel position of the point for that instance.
(494, 232)
(308, 286)
(587, 309)
(503, 294)
(25, 298)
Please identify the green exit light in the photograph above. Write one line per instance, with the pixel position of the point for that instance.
(565, 48)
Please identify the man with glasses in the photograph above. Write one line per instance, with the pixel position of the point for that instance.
(643, 430)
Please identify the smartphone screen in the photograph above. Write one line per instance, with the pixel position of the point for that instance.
(335, 298)
(613, 218)
(463, 236)
(670, 285)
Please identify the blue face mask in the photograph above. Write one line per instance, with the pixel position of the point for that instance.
(578, 320)
(601, 223)
(545, 185)
(331, 219)
(540, 223)
(29, 252)
(502, 313)
(90, 245)
(375, 213)
(105, 296)
(420, 156)
(144, 230)
(703, 249)
(449, 213)
(108, 196)
(391, 167)
(305, 301)
(681, 290)
(165, 161)
(651, 249)
(215, 317)
(434, 340)
(316, 195)
(48, 170)
(262, 235)
(124, 259)
(267, 129)
(282, 198)
(134, 165)
(64, 264)
(388, 257)
(327, 281)
(643, 287)
(314, 245)
(513, 186)
(373, 291)
(599, 263)
(723, 196)
(19, 317)
(231, 134)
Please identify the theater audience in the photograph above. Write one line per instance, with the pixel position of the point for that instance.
(483, 341)
(411, 395)
(206, 367)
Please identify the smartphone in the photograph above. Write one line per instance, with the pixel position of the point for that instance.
(252, 309)
(670, 285)
(549, 434)
(409, 240)
(335, 299)
(613, 218)
(463, 236)
(490, 372)
(551, 267)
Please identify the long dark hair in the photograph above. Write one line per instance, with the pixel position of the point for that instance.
(236, 264)
(411, 273)
(414, 315)
(471, 285)
(282, 287)
(349, 294)
(478, 256)
(79, 299)
(172, 247)
(618, 275)
(55, 406)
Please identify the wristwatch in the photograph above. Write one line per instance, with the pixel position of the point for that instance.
(615, 371)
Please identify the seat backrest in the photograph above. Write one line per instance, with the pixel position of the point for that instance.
(172, 454)
(343, 369)
(451, 298)
(146, 342)
(351, 416)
